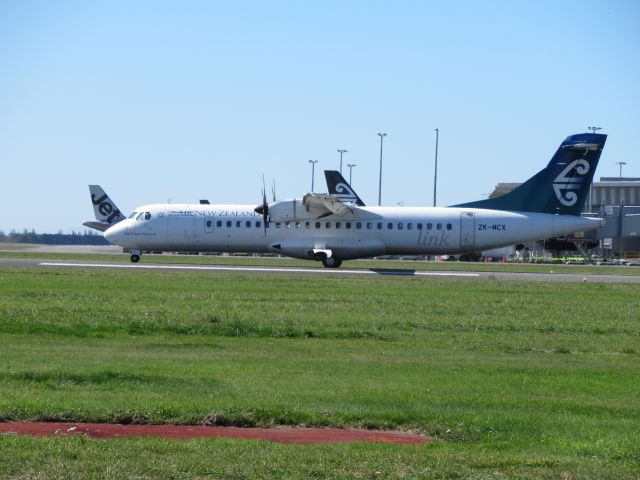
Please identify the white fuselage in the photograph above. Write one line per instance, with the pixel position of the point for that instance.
(363, 232)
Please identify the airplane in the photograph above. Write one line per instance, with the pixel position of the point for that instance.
(331, 228)
(340, 188)
(106, 212)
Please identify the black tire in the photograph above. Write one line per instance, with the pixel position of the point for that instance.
(331, 262)
(135, 258)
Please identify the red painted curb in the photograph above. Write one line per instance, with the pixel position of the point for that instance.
(183, 432)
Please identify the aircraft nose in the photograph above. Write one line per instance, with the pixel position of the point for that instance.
(113, 234)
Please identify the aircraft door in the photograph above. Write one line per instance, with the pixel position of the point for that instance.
(467, 230)
(208, 225)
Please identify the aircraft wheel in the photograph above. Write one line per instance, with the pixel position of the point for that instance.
(135, 258)
(331, 262)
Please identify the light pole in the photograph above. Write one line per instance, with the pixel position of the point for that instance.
(435, 173)
(351, 165)
(381, 135)
(621, 164)
(341, 152)
(313, 172)
(594, 129)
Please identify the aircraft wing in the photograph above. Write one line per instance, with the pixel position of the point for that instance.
(327, 203)
(313, 206)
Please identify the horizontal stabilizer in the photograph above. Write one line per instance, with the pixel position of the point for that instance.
(101, 226)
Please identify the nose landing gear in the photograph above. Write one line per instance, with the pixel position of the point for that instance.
(135, 255)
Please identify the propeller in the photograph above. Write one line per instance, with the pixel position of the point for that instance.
(264, 208)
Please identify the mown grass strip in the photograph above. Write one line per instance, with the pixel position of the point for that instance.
(527, 379)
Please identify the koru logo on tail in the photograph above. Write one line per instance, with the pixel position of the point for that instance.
(345, 193)
(105, 207)
(564, 184)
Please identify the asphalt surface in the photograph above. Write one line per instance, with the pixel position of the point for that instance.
(504, 276)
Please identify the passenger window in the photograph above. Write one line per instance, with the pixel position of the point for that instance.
(358, 225)
(238, 224)
(297, 224)
(248, 224)
(338, 224)
(409, 226)
(439, 226)
(307, 224)
(419, 226)
(429, 226)
(400, 226)
(449, 226)
(229, 223)
(369, 225)
(318, 225)
(287, 224)
(390, 226)
(347, 225)
(278, 225)
(258, 224)
(379, 225)
(209, 223)
(219, 223)
(327, 225)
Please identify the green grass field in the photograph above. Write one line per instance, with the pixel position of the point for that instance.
(511, 379)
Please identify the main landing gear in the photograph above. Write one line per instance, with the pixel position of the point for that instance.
(329, 262)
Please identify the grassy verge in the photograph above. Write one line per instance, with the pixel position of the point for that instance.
(523, 379)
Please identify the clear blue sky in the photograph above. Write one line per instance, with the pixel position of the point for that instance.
(183, 100)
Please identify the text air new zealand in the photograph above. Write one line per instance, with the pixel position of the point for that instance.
(338, 226)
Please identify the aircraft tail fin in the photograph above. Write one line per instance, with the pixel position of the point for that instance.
(561, 187)
(105, 210)
(339, 187)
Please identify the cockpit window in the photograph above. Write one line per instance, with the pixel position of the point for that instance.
(140, 216)
(147, 215)
(133, 215)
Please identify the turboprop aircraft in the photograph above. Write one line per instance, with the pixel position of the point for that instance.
(332, 228)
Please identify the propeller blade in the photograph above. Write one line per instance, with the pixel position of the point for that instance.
(265, 207)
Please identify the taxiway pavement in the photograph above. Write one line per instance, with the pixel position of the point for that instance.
(504, 276)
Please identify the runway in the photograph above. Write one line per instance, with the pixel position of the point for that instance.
(353, 272)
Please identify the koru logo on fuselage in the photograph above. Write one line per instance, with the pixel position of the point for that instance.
(563, 184)
(345, 192)
(105, 207)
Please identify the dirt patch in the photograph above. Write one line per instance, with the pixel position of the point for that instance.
(183, 432)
